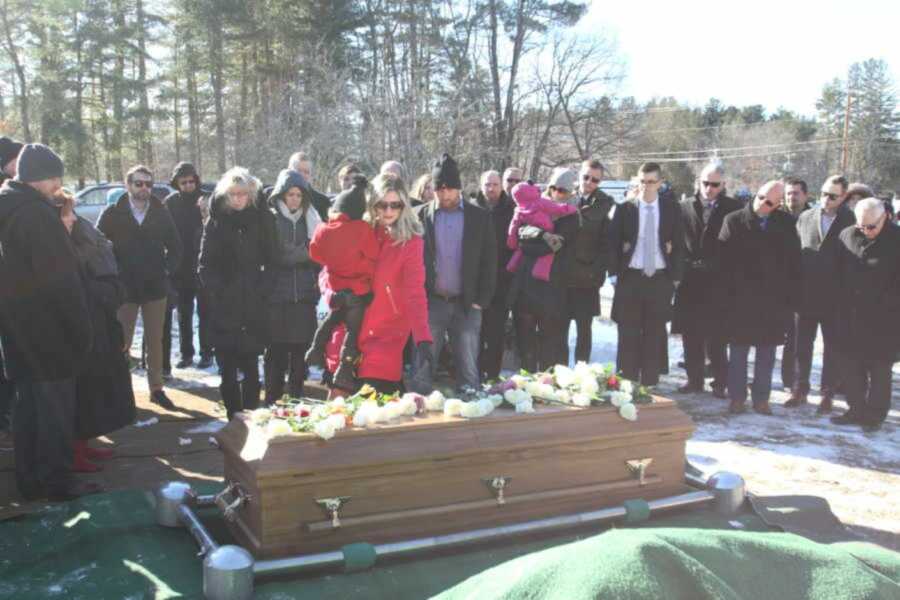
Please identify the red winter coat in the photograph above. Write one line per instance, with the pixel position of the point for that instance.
(348, 249)
(399, 308)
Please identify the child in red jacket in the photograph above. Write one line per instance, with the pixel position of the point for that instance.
(347, 246)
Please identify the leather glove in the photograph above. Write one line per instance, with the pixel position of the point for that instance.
(554, 241)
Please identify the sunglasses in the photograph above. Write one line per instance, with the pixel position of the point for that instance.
(649, 181)
(142, 184)
(513, 181)
(398, 205)
(592, 179)
(831, 197)
(559, 189)
(712, 184)
(871, 227)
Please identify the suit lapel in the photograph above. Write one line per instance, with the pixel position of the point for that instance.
(468, 228)
(429, 228)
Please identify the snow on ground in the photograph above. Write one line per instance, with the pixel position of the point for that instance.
(793, 452)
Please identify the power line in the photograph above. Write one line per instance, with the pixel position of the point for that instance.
(734, 148)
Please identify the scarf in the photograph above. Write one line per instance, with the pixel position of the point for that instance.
(313, 219)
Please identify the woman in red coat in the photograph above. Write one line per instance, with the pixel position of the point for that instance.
(399, 307)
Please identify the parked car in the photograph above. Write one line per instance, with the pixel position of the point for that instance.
(91, 201)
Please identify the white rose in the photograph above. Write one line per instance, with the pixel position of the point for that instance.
(260, 416)
(324, 429)
(519, 380)
(583, 370)
(361, 418)
(597, 369)
(277, 427)
(470, 410)
(626, 386)
(525, 407)
(487, 406)
(496, 399)
(628, 411)
(338, 421)
(319, 412)
(338, 402)
(580, 399)
(533, 388)
(510, 396)
(435, 401)
(590, 386)
(564, 376)
(409, 406)
(619, 398)
(395, 410)
(564, 396)
(545, 390)
(453, 407)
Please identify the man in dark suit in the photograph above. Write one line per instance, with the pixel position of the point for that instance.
(868, 332)
(795, 203)
(761, 266)
(460, 269)
(819, 229)
(646, 248)
(700, 298)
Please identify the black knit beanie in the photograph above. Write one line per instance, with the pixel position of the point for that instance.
(352, 202)
(445, 173)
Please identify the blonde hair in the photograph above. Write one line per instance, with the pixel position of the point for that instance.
(407, 224)
(238, 176)
(418, 187)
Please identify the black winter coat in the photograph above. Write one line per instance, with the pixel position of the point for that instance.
(702, 293)
(103, 389)
(147, 253)
(868, 280)
(762, 273)
(233, 257)
(501, 215)
(189, 222)
(548, 297)
(45, 326)
(479, 268)
(589, 260)
(818, 287)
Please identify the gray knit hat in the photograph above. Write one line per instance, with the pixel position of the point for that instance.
(9, 149)
(37, 162)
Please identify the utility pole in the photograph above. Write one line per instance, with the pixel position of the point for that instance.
(845, 147)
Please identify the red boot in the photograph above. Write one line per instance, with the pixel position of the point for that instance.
(98, 453)
(80, 462)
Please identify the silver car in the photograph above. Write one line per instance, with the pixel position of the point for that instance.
(91, 201)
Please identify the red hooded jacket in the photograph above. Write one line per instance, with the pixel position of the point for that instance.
(348, 249)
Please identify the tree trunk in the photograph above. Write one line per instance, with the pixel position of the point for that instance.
(145, 143)
(20, 72)
(216, 79)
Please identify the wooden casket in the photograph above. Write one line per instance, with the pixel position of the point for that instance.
(432, 475)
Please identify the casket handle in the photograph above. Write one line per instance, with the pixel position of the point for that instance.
(638, 468)
(498, 486)
(240, 498)
(333, 506)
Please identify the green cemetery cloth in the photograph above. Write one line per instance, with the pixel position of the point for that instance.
(109, 546)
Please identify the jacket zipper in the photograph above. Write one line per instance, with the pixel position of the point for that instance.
(391, 298)
(294, 270)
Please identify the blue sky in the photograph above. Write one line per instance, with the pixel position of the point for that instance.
(774, 53)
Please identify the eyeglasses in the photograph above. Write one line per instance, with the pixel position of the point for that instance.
(596, 180)
(139, 183)
(831, 197)
(649, 181)
(712, 184)
(398, 205)
(513, 181)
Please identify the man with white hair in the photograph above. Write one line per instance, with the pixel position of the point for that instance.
(868, 337)
(301, 163)
(393, 167)
(701, 296)
(761, 266)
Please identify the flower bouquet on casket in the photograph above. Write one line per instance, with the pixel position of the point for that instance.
(584, 385)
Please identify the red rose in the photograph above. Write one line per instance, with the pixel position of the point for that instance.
(612, 383)
(304, 412)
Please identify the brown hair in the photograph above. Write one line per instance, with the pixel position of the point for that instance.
(348, 169)
(838, 180)
(650, 167)
(138, 169)
(593, 163)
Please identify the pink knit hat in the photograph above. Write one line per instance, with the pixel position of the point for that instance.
(526, 193)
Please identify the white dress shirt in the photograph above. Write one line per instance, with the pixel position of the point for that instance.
(637, 259)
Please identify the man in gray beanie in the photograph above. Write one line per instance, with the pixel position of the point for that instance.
(45, 326)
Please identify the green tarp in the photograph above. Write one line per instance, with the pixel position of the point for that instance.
(109, 546)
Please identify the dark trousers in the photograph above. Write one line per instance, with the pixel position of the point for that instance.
(807, 327)
(789, 355)
(697, 346)
(867, 383)
(584, 341)
(185, 308)
(281, 360)
(543, 342)
(764, 363)
(7, 400)
(349, 309)
(44, 433)
(204, 316)
(383, 386)
(243, 394)
(493, 340)
(641, 321)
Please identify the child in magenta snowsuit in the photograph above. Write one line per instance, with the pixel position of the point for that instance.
(533, 209)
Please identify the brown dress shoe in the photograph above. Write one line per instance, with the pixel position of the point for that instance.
(796, 399)
(762, 408)
(825, 405)
(736, 407)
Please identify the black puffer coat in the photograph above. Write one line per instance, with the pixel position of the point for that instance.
(294, 276)
(590, 257)
(233, 258)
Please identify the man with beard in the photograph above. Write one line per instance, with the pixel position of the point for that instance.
(511, 177)
(183, 205)
(700, 298)
(495, 200)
